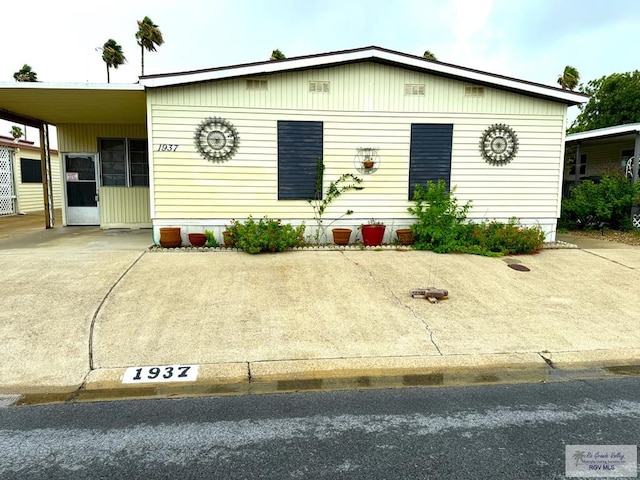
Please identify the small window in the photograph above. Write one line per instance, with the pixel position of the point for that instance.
(30, 170)
(124, 162)
(582, 165)
(319, 87)
(473, 91)
(257, 84)
(414, 89)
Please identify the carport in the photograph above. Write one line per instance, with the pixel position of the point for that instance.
(40, 105)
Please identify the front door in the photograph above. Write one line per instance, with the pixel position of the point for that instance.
(81, 174)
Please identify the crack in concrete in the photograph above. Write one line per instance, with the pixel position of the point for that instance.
(398, 301)
(95, 315)
(249, 376)
(608, 259)
(547, 360)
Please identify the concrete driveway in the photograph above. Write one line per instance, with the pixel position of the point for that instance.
(81, 305)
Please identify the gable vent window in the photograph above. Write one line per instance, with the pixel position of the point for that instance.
(257, 84)
(414, 89)
(473, 91)
(319, 87)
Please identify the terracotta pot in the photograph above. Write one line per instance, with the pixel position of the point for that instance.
(367, 164)
(341, 236)
(229, 242)
(372, 235)
(197, 239)
(170, 237)
(405, 236)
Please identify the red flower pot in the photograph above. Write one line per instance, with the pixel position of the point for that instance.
(197, 239)
(372, 235)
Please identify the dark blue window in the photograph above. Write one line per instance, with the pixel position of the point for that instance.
(299, 148)
(430, 154)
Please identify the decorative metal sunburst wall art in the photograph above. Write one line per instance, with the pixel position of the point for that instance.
(498, 144)
(216, 139)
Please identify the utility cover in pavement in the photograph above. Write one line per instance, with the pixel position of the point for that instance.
(518, 267)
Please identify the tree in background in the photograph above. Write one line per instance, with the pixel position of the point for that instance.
(277, 55)
(427, 55)
(16, 132)
(148, 36)
(569, 78)
(112, 55)
(25, 74)
(614, 100)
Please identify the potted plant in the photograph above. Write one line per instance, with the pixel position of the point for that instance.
(197, 239)
(210, 239)
(367, 163)
(345, 183)
(405, 236)
(341, 236)
(170, 237)
(372, 233)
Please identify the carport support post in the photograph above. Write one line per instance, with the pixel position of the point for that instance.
(576, 177)
(45, 166)
(636, 156)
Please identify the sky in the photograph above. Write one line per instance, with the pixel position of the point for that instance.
(527, 39)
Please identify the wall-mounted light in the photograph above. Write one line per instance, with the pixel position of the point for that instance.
(366, 160)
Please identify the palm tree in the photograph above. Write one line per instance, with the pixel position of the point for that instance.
(569, 79)
(148, 35)
(427, 55)
(112, 55)
(277, 55)
(25, 74)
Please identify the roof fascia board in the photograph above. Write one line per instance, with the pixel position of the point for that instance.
(565, 96)
(604, 132)
(133, 87)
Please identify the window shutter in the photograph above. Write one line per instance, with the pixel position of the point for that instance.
(299, 148)
(430, 155)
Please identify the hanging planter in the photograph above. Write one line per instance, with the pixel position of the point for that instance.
(170, 237)
(341, 236)
(405, 236)
(197, 239)
(372, 234)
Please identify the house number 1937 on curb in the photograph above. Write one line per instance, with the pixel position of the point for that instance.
(161, 373)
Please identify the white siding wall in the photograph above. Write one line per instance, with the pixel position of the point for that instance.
(366, 108)
(119, 206)
(30, 197)
(604, 156)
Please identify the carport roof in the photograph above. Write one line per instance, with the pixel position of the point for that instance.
(628, 132)
(59, 103)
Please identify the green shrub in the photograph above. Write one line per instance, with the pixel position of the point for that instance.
(441, 222)
(609, 201)
(442, 227)
(266, 235)
(506, 238)
(211, 239)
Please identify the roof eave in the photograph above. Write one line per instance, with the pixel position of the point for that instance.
(601, 133)
(368, 54)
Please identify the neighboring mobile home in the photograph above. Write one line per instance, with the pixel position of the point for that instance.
(245, 140)
(21, 177)
(593, 153)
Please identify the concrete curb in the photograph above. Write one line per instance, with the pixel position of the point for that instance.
(282, 376)
(313, 375)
